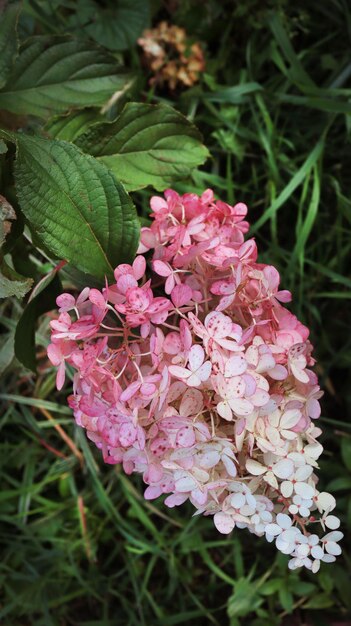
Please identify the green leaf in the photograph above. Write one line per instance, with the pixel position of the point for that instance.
(52, 74)
(286, 598)
(245, 598)
(69, 127)
(346, 452)
(115, 25)
(12, 283)
(76, 207)
(271, 586)
(319, 601)
(8, 39)
(147, 145)
(295, 181)
(233, 95)
(7, 351)
(43, 299)
(297, 72)
(339, 484)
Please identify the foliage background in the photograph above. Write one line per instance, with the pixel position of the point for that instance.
(79, 544)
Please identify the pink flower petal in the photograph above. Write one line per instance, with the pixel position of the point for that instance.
(224, 523)
(196, 357)
(235, 365)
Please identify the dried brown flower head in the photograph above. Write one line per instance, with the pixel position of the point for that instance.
(170, 56)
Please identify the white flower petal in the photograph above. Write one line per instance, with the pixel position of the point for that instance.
(304, 472)
(284, 521)
(273, 529)
(283, 469)
(304, 490)
(332, 522)
(302, 550)
(317, 552)
(224, 523)
(237, 500)
(186, 483)
(325, 501)
(328, 558)
(290, 418)
(315, 566)
(255, 468)
(335, 535)
(225, 411)
(286, 488)
(333, 548)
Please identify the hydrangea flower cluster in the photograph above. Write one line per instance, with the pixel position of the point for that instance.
(191, 371)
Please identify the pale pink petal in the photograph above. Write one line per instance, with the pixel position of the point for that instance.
(250, 385)
(283, 296)
(185, 437)
(279, 372)
(192, 402)
(194, 380)
(218, 325)
(96, 297)
(236, 387)
(147, 389)
(260, 397)
(240, 406)
(186, 483)
(229, 465)
(237, 500)
(161, 268)
(313, 408)
(65, 301)
(209, 459)
(60, 376)
(225, 411)
(224, 523)
(130, 391)
(54, 354)
(204, 371)
(181, 295)
(158, 204)
(299, 373)
(83, 296)
(179, 372)
(125, 282)
(196, 357)
(176, 499)
(235, 365)
(139, 267)
(290, 418)
(172, 343)
(152, 492)
(265, 364)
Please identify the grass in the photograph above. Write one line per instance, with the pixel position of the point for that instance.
(80, 546)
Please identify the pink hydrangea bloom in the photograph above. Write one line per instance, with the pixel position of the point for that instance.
(190, 371)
